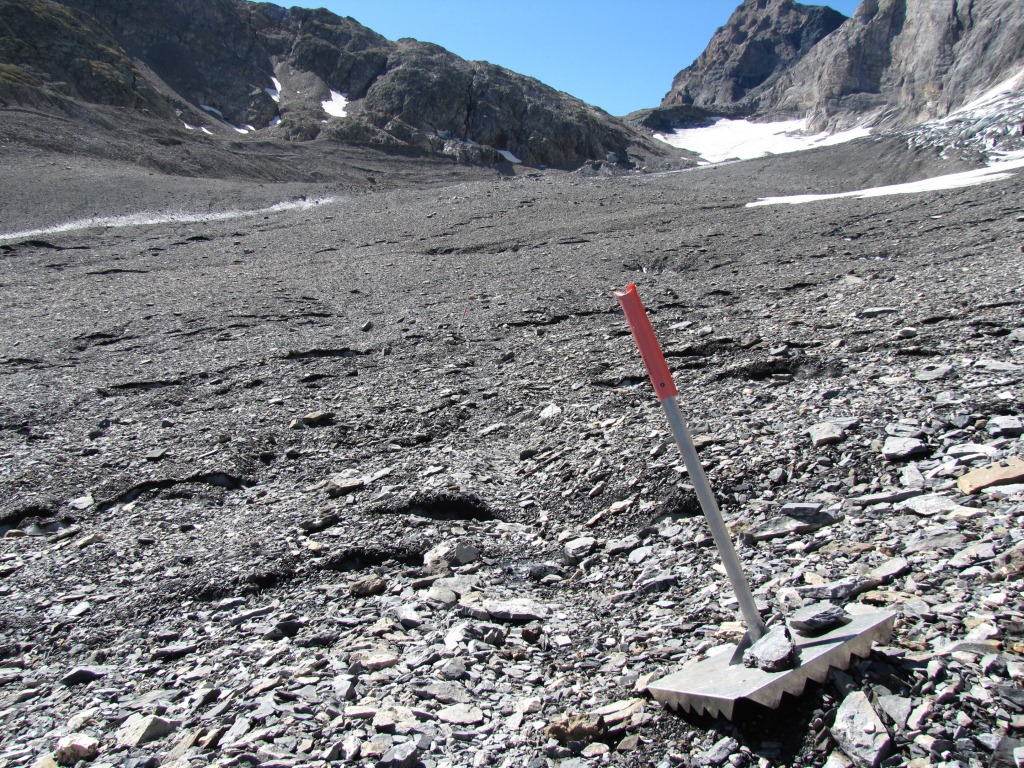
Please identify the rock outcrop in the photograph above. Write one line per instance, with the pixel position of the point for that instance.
(212, 65)
(761, 38)
(895, 63)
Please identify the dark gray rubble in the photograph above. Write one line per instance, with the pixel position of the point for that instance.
(382, 482)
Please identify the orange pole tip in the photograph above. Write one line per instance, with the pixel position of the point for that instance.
(650, 350)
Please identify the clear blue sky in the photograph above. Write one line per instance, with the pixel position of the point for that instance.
(618, 55)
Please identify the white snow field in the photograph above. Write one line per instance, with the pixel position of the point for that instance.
(336, 106)
(728, 139)
(998, 169)
(147, 218)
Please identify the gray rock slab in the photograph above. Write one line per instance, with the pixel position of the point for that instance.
(888, 496)
(826, 433)
(577, 549)
(85, 674)
(840, 590)
(1005, 426)
(860, 733)
(903, 448)
(889, 570)
(869, 312)
(399, 756)
(928, 505)
(785, 525)
(720, 753)
(818, 617)
(142, 729)
(896, 708)
(933, 372)
(461, 714)
(515, 609)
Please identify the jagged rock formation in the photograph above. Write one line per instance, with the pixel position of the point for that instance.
(895, 63)
(211, 64)
(761, 38)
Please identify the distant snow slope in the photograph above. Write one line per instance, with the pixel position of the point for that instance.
(743, 140)
(999, 169)
(148, 218)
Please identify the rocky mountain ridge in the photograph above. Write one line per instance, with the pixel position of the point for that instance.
(215, 67)
(894, 64)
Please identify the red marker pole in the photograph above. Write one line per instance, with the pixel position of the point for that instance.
(665, 389)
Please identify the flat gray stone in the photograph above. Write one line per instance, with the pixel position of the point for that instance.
(903, 448)
(444, 692)
(801, 509)
(399, 756)
(897, 709)
(826, 433)
(933, 372)
(889, 570)
(140, 730)
(619, 546)
(720, 753)
(840, 590)
(785, 525)
(408, 616)
(888, 496)
(1005, 426)
(515, 609)
(878, 311)
(859, 731)
(461, 714)
(818, 617)
(577, 549)
(971, 451)
(80, 675)
(928, 505)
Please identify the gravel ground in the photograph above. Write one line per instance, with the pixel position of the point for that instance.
(380, 479)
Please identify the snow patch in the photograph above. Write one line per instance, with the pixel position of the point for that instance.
(336, 105)
(1000, 169)
(275, 121)
(275, 92)
(212, 110)
(509, 156)
(206, 130)
(148, 218)
(727, 139)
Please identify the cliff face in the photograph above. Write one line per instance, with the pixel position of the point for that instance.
(212, 63)
(761, 38)
(898, 62)
(894, 63)
(50, 52)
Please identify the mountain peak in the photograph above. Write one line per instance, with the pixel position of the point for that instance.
(895, 63)
(761, 38)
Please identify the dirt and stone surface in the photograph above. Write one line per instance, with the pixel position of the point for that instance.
(379, 480)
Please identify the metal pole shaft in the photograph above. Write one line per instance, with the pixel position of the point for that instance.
(755, 626)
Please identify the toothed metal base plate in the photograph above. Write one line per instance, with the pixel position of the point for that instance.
(713, 686)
